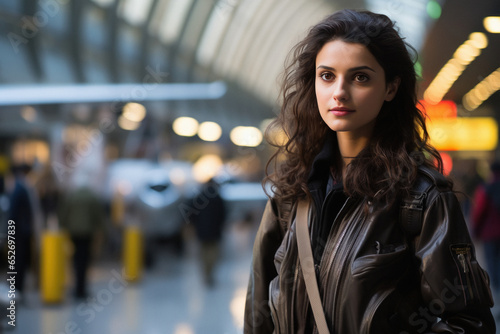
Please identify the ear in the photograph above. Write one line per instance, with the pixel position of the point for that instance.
(392, 89)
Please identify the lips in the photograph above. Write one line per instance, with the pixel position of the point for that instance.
(341, 111)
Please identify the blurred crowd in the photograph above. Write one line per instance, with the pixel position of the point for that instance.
(35, 200)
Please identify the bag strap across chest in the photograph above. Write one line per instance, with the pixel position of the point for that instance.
(307, 265)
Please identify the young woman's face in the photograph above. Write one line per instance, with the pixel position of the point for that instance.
(350, 87)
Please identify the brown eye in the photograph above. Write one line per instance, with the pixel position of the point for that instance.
(361, 77)
(326, 76)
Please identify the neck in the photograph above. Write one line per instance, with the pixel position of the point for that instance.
(350, 146)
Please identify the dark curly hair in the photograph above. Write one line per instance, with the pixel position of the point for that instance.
(400, 142)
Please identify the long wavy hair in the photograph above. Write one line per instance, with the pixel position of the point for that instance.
(400, 142)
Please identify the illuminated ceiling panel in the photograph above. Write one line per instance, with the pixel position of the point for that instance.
(173, 20)
(195, 26)
(243, 17)
(238, 41)
(213, 33)
(135, 11)
(247, 47)
(264, 38)
(158, 17)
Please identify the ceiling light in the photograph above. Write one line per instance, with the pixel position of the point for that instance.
(464, 134)
(209, 131)
(185, 126)
(482, 91)
(134, 112)
(127, 124)
(207, 167)
(451, 71)
(248, 136)
(492, 24)
(478, 40)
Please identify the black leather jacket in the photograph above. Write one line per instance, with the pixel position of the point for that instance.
(375, 276)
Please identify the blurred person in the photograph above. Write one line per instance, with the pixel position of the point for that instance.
(467, 179)
(82, 215)
(209, 223)
(49, 194)
(485, 219)
(358, 182)
(21, 213)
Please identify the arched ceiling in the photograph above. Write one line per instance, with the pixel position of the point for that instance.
(240, 42)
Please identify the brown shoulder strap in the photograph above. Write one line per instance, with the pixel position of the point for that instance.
(307, 265)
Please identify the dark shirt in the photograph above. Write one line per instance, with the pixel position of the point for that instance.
(331, 206)
(20, 209)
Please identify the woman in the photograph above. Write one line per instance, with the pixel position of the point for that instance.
(391, 250)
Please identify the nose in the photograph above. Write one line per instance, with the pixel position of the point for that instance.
(340, 91)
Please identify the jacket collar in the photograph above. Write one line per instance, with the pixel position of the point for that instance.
(320, 170)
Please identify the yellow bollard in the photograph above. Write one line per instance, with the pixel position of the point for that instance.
(52, 266)
(133, 253)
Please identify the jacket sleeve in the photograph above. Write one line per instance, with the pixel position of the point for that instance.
(455, 289)
(269, 236)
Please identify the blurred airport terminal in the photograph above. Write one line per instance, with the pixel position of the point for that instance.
(115, 113)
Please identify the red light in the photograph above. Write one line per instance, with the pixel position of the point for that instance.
(447, 163)
(444, 109)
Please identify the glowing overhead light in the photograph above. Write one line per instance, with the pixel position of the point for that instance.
(464, 134)
(466, 53)
(209, 131)
(127, 124)
(206, 167)
(447, 163)
(83, 93)
(134, 112)
(185, 126)
(482, 91)
(478, 40)
(444, 109)
(29, 152)
(451, 71)
(492, 24)
(434, 9)
(246, 136)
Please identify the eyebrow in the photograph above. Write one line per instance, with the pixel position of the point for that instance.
(350, 70)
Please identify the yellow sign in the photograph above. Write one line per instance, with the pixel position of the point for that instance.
(463, 134)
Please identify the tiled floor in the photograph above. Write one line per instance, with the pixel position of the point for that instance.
(171, 298)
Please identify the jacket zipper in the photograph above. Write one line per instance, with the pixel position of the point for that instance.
(463, 261)
(342, 256)
(332, 246)
(330, 255)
